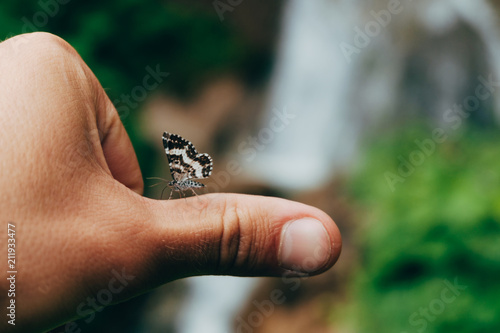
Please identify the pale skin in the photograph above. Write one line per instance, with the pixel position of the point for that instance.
(71, 185)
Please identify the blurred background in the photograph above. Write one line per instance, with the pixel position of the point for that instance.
(384, 114)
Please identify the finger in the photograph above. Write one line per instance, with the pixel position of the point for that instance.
(117, 148)
(71, 86)
(242, 235)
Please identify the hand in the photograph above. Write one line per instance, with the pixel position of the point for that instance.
(72, 187)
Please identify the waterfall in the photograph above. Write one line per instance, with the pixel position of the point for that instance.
(310, 82)
(328, 112)
(213, 303)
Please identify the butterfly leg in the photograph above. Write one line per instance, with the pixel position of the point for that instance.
(183, 195)
(170, 196)
(196, 194)
(161, 196)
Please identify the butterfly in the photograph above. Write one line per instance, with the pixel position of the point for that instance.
(185, 164)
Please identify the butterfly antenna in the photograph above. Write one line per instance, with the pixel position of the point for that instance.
(158, 178)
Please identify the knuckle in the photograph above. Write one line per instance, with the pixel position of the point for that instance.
(47, 54)
(49, 43)
(235, 236)
(44, 37)
(41, 44)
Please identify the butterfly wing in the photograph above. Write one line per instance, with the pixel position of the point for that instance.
(183, 159)
(201, 167)
(174, 147)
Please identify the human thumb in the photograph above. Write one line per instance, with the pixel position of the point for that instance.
(243, 235)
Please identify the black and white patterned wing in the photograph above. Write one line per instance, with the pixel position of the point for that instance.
(183, 159)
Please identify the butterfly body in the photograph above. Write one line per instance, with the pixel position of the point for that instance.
(185, 163)
(184, 185)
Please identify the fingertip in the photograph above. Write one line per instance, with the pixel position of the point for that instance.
(306, 246)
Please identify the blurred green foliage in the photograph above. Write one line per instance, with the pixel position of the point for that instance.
(439, 227)
(119, 39)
